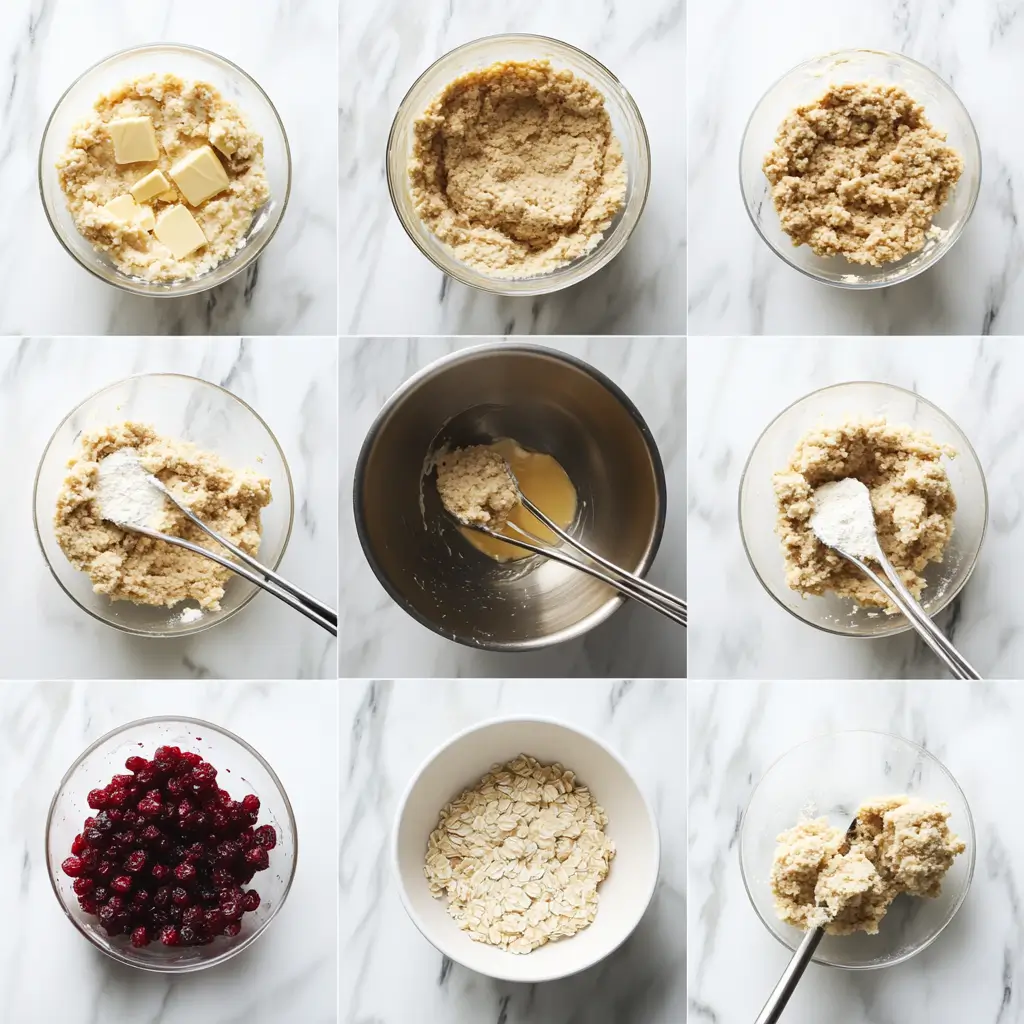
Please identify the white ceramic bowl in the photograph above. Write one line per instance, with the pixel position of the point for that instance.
(461, 762)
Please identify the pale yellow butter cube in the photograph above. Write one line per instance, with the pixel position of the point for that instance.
(134, 140)
(122, 208)
(223, 138)
(145, 219)
(179, 231)
(200, 176)
(151, 185)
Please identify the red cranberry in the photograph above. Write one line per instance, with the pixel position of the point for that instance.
(136, 764)
(266, 837)
(97, 799)
(180, 897)
(140, 937)
(72, 867)
(89, 905)
(185, 872)
(232, 928)
(251, 803)
(169, 935)
(251, 901)
(79, 845)
(122, 884)
(83, 886)
(160, 872)
(258, 858)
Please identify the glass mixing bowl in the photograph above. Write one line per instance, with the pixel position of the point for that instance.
(831, 776)
(189, 63)
(189, 409)
(241, 770)
(626, 122)
(757, 506)
(804, 84)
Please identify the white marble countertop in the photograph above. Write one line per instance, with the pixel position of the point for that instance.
(290, 49)
(736, 389)
(379, 639)
(974, 971)
(737, 284)
(390, 973)
(384, 48)
(291, 385)
(48, 972)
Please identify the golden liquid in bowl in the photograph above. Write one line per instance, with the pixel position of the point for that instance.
(542, 479)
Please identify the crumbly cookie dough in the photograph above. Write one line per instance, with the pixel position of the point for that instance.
(910, 494)
(860, 173)
(520, 856)
(128, 567)
(823, 877)
(516, 168)
(475, 486)
(185, 116)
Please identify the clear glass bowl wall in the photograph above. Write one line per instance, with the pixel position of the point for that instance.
(626, 122)
(189, 63)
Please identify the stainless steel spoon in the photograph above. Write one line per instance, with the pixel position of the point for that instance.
(891, 585)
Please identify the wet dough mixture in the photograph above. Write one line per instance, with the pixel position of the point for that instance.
(860, 173)
(475, 486)
(516, 168)
(900, 845)
(910, 494)
(128, 567)
(185, 116)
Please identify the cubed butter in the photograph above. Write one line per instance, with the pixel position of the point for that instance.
(134, 140)
(223, 139)
(179, 231)
(146, 220)
(200, 176)
(150, 186)
(127, 211)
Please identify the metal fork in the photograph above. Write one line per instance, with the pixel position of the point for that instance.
(625, 582)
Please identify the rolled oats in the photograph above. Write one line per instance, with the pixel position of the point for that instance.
(520, 856)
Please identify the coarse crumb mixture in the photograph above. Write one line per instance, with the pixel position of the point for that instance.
(475, 486)
(823, 876)
(860, 173)
(911, 495)
(186, 116)
(520, 856)
(516, 167)
(128, 567)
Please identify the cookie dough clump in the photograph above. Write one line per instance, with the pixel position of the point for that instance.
(823, 876)
(184, 117)
(475, 486)
(860, 173)
(516, 168)
(129, 567)
(911, 495)
(520, 856)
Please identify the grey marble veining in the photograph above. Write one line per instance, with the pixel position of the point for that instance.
(737, 284)
(737, 386)
(390, 974)
(975, 970)
(389, 287)
(379, 639)
(48, 972)
(292, 385)
(289, 48)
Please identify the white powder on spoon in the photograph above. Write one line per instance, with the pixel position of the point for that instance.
(126, 492)
(843, 517)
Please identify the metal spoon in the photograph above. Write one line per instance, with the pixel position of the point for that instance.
(625, 582)
(801, 958)
(892, 586)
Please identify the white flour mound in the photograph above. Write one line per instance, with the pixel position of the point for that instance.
(843, 517)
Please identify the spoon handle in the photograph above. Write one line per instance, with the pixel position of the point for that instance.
(790, 977)
(895, 589)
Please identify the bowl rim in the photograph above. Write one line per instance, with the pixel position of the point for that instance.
(540, 284)
(157, 968)
(202, 625)
(899, 624)
(437, 366)
(186, 286)
(956, 232)
(972, 853)
(458, 737)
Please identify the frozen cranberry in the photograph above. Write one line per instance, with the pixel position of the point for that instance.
(185, 872)
(215, 921)
(150, 834)
(251, 803)
(194, 917)
(117, 798)
(189, 936)
(72, 867)
(232, 908)
(136, 764)
(140, 937)
(79, 845)
(140, 898)
(97, 799)
(266, 837)
(180, 896)
(160, 872)
(251, 901)
(258, 858)
(83, 886)
(162, 897)
(122, 884)
(232, 928)
(89, 905)
(228, 851)
(169, 935)
(101, 894)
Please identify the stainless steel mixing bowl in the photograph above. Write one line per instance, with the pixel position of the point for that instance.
(549, 402)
